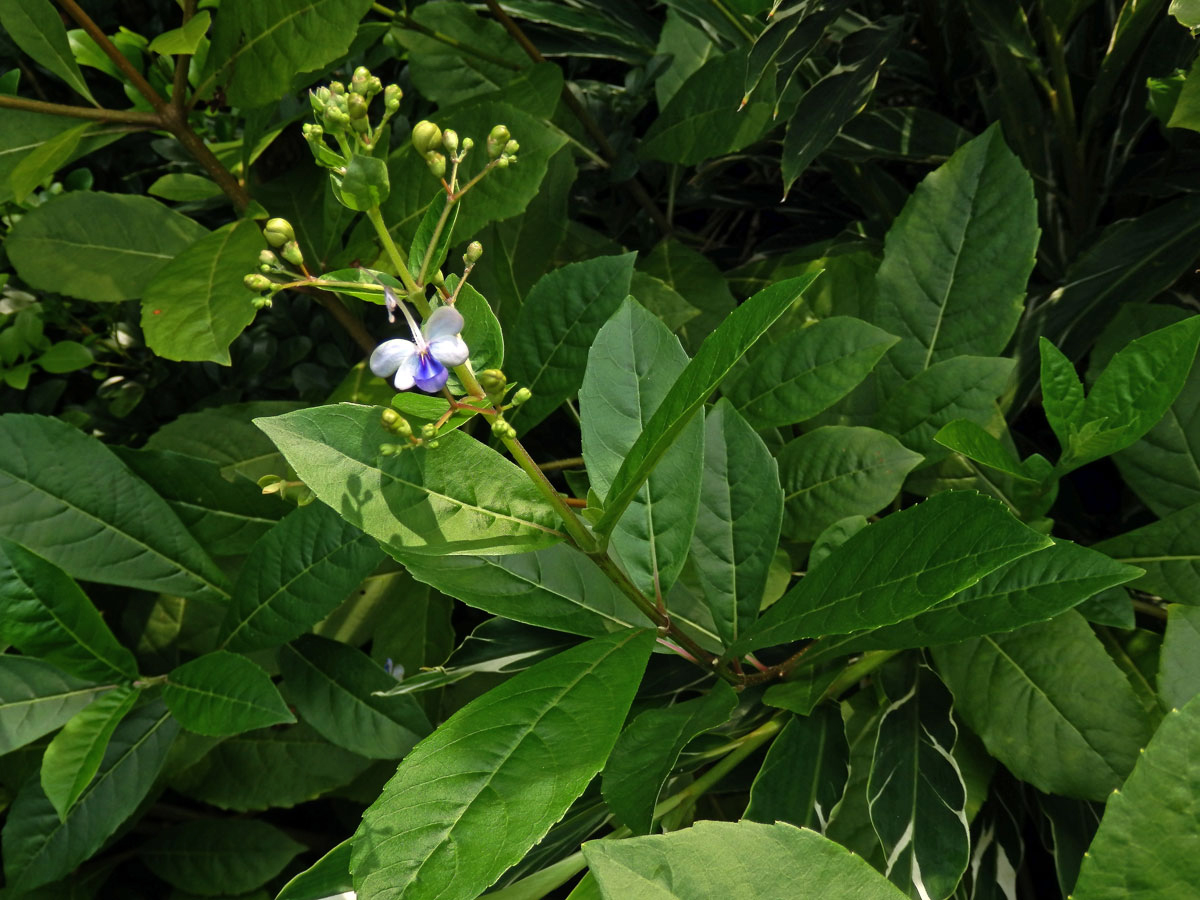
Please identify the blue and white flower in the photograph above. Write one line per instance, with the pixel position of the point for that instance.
(423, 360)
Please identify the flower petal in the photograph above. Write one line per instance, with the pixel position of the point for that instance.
(445, 322)
(430, 375)
(406, 375)
(450, 351)
(390, 356)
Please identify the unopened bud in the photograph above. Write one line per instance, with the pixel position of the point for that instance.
(314, 133)
(267, 258)
(496, 140)
(391, 97)
(278, 232)
(502, 162)
(256, 282)
(396, 423)
(436, 163)
(511, 148)
(467, 144)
(521, 395)
(450, 140)
(428, 430)
(291, 252)
(493, 382)
(390, 449)
(374, 86)
(261, 302)
(337, 88)
(474, 251)
(356, 106)
(335, 119)
(432, 445)
(426, 136)
(360, 79)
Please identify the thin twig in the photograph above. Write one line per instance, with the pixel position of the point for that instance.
(116, 116)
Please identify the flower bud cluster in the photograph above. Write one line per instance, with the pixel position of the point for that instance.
(396, 424)
(343, 113)
(429, 141)
(280, 235)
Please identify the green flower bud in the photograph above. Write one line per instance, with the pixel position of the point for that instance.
(391, 97)
(335, 119)
(432, 445)
(467, 144)
(374, 86)
(450, 140)
(496, 140)
(474, 251)
(267, 258)
(511, 148)
(256, 282)
(499, 427)
(503, 161)
(314, 133)
(428, 431)
(521, 396)
(395, 423)
(336, 87)
(356, 106)
(493, 382)
(291, 252)
(261, 302)
(360, 79)
(426, 136)
(436, 163)
(390, 449)
(278, 232)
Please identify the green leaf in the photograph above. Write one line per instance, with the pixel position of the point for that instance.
(333, 687)
(1132, 393)
(557, 587)
(365, 184)
(36, 698)
(222, 693)
(836, 97)
(295, 576)
(631, 366)
(425, 259)
(196, 304)
(1179, 661)
(65, 356)
(1144, 847)
(417, 501)
(963, 387)
(271, 767)
(226, 435)
(916, 794)
(219, 856)
(710, 366)
(184, 187)
(689, 47)
(1062, 392)
(473, 797)
(702, 119)
(224, 517)
(446, 73)
(185, 40)
(264, 45)
(1166, 549)
(661, 299)
(972, 441)
(897, 568)
(96, 246)
(737, 527)
(37, 29)
(648, 749)
(807, 371)
(328, 876)
(957, 258)
(1050, 704)
(1030, 589)
(558, 322)
(804, 773)
(39, 848)
(1186, 11)
(73, 756)
(44, 613)
(91, 516)
(42, 162)
(837, 471)
(733, 859)
(833, 537)
(22, 133)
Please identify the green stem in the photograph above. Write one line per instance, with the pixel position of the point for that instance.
(438, 227)
(399, 263)
(575, 527)
(733, 20)
(858, 669)
(116, 116)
